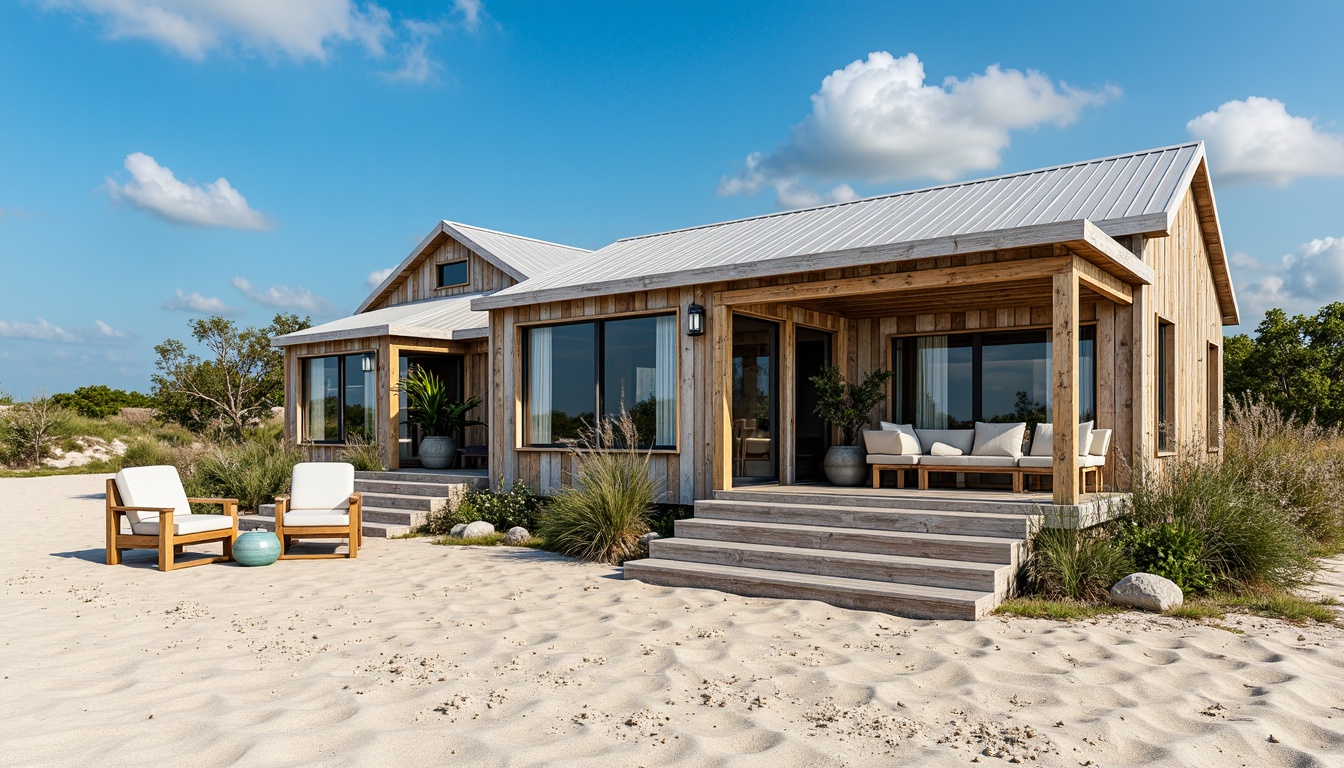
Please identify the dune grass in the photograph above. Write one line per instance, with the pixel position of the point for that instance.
(1059, 610)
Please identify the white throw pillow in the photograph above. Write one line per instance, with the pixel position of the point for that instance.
(891, 442)
(999, 439)
(943, 449)
(1043, 440)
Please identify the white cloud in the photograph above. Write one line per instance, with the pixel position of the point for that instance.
(878, 121)
(376, 277)
(284, 297)
(155, 189)
(42, 330)
(199, 304)
(1257, 141)
(1299, 283)
(472, 13)
(300, 29)
(417, 66)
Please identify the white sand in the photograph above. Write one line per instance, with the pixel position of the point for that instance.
(416, 654)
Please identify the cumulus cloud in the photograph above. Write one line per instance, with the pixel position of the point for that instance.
(283, 297)
(300, 29)
(199, 304)
(42, 330)
(1300, 282)
(154, 188)
(878, 121)
(376, 277)
(1257, 141)
(416, 65)
(472, 13)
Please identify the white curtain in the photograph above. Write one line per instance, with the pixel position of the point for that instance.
(932, 404)
(665, 380)
(539, 385)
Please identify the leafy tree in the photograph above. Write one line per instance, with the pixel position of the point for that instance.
(1296, 363)
(28, 431)
(240, 378)
(100, 401)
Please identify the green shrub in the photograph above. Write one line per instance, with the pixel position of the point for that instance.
(363, 455)
(440, 522)
(253, 472)
(503, 508)
(603, 515)
(1079, 564)
(147, 452)
(100, 401)
(29, 431)
(1172, 551)
(664, 519)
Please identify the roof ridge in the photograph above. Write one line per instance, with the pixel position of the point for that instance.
(952, 185)
(514, 236)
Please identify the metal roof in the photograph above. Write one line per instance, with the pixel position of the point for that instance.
(517, 256)
(1122, 195)
(446, 318)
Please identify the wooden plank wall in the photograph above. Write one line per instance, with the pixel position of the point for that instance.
(421, 277)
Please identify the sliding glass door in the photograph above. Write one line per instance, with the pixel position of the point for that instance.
(755, 400)
(812, 436)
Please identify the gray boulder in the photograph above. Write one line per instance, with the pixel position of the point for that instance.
(650, 536)
(477, 529)
(516, 535)
(1146, 591)
(457, 530)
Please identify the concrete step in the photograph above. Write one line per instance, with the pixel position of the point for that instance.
(409, 487)
(978, 549)
(405, 501)
(1005, 525)
(467, 478)
(902, 599)
(371, 529)
(944, 501)
(951, 574)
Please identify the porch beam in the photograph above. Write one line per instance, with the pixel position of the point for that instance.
(1104, 283)
(920, 279)
(721, 406)
(1064, 347)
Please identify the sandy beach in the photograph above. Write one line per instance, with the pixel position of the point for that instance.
(416, 654)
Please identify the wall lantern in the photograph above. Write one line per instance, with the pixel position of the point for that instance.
(367, 363)
(695, 320)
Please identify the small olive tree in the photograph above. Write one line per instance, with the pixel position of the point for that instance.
(848, 407)
(29, 430)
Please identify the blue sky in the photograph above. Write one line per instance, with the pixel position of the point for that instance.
(343, 132)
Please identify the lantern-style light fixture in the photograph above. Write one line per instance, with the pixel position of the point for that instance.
(695, 320)
(367, 363)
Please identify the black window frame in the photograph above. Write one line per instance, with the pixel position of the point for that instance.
(466, 274)
(341, 437)
(599, 373)
(1165, 416)
(902, 410)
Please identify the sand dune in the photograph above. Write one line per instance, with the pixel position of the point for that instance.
(416, 654)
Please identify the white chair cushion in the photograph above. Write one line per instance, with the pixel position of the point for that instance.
(967, 463)
(1043, 441)
(961, 439)
(184, 524)
(999, 439)
(322, 485)
(1101, 442)
(303, 518)
(1085, 437)
(891, 441)
(893, 458)
(1092, 461)
(943, 449)
(158, 487)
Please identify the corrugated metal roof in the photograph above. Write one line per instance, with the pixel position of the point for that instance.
(447, 318)
(1124, 194)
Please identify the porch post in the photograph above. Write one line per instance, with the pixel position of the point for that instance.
(1064, 345)
(389, 376)
(721, 404)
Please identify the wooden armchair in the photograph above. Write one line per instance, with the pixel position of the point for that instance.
(159, 513)
(321, 504)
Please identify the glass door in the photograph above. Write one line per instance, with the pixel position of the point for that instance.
(755, 427)
(812, 352)
(449, 368)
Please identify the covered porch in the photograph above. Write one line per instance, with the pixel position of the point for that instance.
(1067, 310)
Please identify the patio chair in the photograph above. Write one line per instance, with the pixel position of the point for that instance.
(321, 504)
(159, 513)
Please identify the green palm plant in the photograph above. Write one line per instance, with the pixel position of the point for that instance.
(430, 406)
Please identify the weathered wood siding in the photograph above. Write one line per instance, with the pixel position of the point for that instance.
(420, 279)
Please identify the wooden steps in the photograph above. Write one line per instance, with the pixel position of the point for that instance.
(923, 563)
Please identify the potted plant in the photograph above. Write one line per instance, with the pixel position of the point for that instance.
(442, 420)
(847, 407)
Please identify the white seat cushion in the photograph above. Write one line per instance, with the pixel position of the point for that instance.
(184, 524)
(891, 441)
(962, 462)
(158, 487)
(961, 439)
(997, 439)
(300, 518)
(900, 459)
(1092, 461)
(322, 485)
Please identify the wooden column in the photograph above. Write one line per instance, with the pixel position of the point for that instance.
(1064, 344)
(788, 416)
(389, 378)
(721, 410)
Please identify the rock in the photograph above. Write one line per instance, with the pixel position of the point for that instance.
(516, 535)
(650, 536)
(457, 530)
(1147, 592)
(477, 529)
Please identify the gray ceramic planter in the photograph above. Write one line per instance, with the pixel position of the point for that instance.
(846, 464)
(437, 452)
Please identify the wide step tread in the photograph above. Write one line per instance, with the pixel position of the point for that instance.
(1002, 525)
(986, 549)
(860, 594)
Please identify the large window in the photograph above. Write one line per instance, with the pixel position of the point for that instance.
(338, 398)
(580, 370)
(951, 382)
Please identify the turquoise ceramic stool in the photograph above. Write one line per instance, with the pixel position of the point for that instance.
(256, 548)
